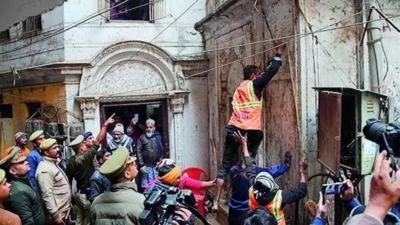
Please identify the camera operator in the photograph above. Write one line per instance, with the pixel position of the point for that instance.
(384, 193)
(186, 215)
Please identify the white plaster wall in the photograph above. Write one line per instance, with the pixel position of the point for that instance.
(391, 85)
(318, 69)
(195, 120)
(84, 42)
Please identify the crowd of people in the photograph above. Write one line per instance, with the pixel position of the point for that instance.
(36, 189)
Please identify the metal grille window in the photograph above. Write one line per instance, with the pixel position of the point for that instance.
(139, 10)
(157, 10)
(33, 23)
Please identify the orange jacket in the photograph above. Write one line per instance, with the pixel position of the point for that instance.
(274, 206)
(25, 152)
(247, 108)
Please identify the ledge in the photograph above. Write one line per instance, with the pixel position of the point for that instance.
(217, 12)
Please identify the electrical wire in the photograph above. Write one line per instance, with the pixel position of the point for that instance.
(387, 61)
(63, 31)
(119, 65)
(206, 71)
(241, 45)
(61, 24)
(196, 74)
(333, 61)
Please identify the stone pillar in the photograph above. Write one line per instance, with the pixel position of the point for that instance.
(90, 108)
(177, 105)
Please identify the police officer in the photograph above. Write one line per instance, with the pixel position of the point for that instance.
(81, 167)
(24, 201)
(122, 204)
(34, 157)
(53, 183)
(6, 217)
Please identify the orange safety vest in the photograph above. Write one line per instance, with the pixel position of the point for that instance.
(247, 108)
(274, 206)
(6, 152)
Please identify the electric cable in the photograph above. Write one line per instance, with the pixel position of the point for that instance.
(234, 46)
(60, 24)
(63, 31)
(196, 74)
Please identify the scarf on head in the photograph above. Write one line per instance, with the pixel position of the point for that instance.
(124, 142)
(171, 177)
(263, 185)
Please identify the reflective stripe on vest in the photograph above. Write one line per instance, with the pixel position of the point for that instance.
(247, 108)
(274, 206)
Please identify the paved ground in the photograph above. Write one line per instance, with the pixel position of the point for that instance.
(213, 219)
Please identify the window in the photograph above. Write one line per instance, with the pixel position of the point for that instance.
(32, 108)
(5, 35)
(6, 111)
(139, 10)
(32, 24)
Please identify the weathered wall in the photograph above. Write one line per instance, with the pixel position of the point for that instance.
(391, 70)
(51, 94)
(195, 121)
(327, 59)
(239, 24)
(46, 51)
(15, 11)
(84, 42)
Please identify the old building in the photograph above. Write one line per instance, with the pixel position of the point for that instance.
(85, 60)
(325, 47)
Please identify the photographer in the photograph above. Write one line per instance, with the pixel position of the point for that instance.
(384, 193)
(354, 207)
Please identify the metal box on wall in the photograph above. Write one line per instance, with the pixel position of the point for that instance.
(342, 113)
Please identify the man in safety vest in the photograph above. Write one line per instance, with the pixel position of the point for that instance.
(265, 192)
(246, 116)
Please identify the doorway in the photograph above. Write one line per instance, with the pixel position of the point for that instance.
(156, 110)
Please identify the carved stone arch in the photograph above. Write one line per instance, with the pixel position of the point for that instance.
(129, 68)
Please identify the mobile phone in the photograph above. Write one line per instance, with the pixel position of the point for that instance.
(335, 188)
(136, 116)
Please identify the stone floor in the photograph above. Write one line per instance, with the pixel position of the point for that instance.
(212, 218)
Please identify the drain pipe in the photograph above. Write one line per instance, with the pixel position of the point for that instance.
(374, 33)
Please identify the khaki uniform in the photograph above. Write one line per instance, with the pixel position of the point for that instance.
(8, 218)
(54, 187)
(122, 204)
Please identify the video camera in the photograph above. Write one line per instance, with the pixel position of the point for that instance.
(160, 206)
(387, 136)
